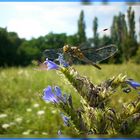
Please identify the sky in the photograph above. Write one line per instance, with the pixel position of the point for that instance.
(34, 19)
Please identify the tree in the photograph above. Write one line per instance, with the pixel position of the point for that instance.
(28, 51)
(119, 35)
(81, 28)
(132, 40)
(123, 33)
(95, 33)
(4, 43)
(116, 39)
(131, 23)
(124, 36)
(139, 30)
(55, 40)
(73, 40)
(9, 43)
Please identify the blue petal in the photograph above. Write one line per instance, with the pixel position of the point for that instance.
(66, 120)
(58, 91)
(64, 98)
(62, 61)
(133, 84)
(51, 65)
(49, 95)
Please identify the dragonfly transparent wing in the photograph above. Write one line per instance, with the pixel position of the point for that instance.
(52, 54)
(98, 54)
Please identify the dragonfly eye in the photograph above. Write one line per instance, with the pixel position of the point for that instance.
(66, 48)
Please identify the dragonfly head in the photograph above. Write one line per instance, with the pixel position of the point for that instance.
(66, 48)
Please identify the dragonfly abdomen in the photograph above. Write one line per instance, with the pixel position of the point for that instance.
(76, 52)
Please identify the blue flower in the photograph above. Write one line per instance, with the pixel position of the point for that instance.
(58, 91)
(49, 96)
(59, 95)
(133, 84)
(55, 97)
(62, 61)
(66, 120)
(50, 64)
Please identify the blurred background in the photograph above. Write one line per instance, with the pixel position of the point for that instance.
(27, 29)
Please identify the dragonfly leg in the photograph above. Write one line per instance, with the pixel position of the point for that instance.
(95, 65)
(90, 62)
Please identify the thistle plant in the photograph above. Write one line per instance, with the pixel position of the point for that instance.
(94, 116)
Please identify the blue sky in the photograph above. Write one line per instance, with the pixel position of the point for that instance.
(33, 19)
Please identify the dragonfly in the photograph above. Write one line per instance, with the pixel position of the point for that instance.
(89, 55)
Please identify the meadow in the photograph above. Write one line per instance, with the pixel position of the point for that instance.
(23, 112)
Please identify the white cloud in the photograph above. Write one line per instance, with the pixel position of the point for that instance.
(39, 18)
(35, 19)
(26, 27)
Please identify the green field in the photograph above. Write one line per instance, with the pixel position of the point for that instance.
(23, 113)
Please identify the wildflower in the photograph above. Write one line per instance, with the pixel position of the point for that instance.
(49, 95)
(50, 64)
(53, 111)
(59, 95)
(28, 109)
(12, 123)
(55, 97)
(19, 120)
(36, 105)
(62, 61)
(20, 72)
(40, 112)
(3, 115)
(44, 133)
(65, 120)
(36, 132)
(133, 84)
(59, 132)
(26, 132)
(58, 91)
(5, 126)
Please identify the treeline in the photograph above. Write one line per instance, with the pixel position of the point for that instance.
(15, 51)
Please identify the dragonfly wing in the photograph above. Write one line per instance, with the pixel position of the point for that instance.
(98, 54)
(52, 54)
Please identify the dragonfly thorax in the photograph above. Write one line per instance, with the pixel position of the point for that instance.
(66, 48)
